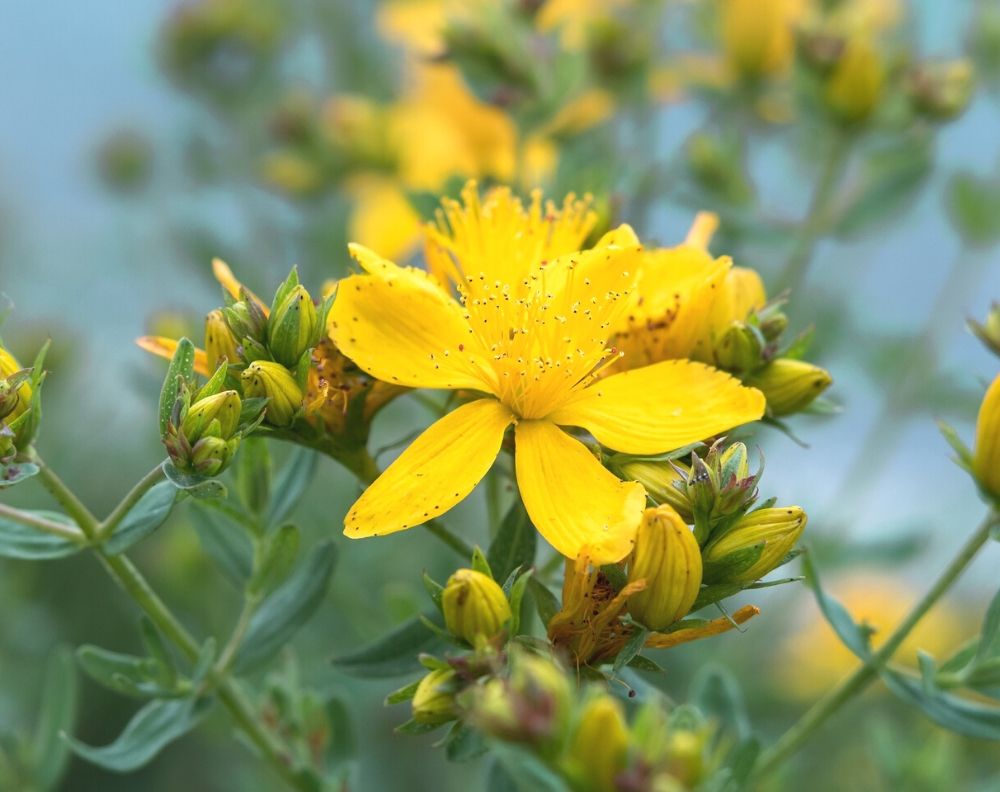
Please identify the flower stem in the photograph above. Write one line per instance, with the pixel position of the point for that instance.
(232, 646)
(128, 577)
(146, 483)
(813, 225)
(866, 673)
(48, 526)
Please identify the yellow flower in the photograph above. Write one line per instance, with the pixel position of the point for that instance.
(986, 457)
(688, 298)
(531, 335)
(856, 85)
(758, 35)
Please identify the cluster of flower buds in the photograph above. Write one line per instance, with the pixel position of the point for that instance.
(19, 404)
(206, 426)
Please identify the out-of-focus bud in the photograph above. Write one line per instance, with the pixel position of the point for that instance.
(984, 41)
(292, 173)
(125, 161)
(790, 385)
(773, 323)
(986, 454)
(531, 707)
(755, 545)
(989, 331)
(667, 557)
(214, 416)
(757, 37)
(660, 480)
(291, 328)
(740, 348)
(821, 49)
(686, 751)
(856, 84)
(941, 90)
(599, 750)
(475, 608)
(717, 163)
(434, 701)
(266, 378)
(220, 343)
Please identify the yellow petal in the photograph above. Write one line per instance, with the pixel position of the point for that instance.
(406, 330)
(573, 501)
(661, 407)
(383, 216)
(165, 348)
(702, 229)
(440, 468)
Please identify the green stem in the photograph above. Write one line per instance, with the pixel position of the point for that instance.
(128, 577)
(228, 654)
(849, 687)
(814, 224)
(65, 496)
(152, 478)
(48, 526)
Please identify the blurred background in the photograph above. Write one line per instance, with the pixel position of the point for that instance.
(850, 149)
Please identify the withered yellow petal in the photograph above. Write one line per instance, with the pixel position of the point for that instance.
(165, 348)
(661, 407)
(439, 469)
(572, 500)
(407, 332)
(224, 275)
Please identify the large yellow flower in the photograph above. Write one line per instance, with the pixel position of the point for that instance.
(530, 334)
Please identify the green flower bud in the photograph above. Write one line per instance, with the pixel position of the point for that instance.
(246, 319)
(475, 608)
(989, 331)
(740, 348)
(756, 544)
(15, 391)
(790, 385)
(667, 557)
(434, 702)
(211, 455)
(659, 479)
(213, 416)
(266, 378)
(599, 749)
(772, 323)
(856, 86)
(291, 329)
(220, 343)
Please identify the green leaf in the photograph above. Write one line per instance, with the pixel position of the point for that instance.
(516, 598)
(464, 744)
(56, 715)
(16, 473)
(404, 693)
(434, 589)
(515, 543)
(195, 486)
(416, 727)
(227, 545)
(146, 516)
(989, 639)
(527, 772)
(546, 602)
(854, 636)
(122, 673)
(181, 368)
(631, 649)
(480, 564)
(253, 474)
(956, 714)
(717, 694)
(973, 206)
(641, 663)
(291, 606)
(291, 483)
(342, 746)
(24, 542)
(395, 653)
(159, 652)
(151, 729)
(280, 551)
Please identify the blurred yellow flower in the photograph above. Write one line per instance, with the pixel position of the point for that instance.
(814, 659)
(855, 87)
(758, 36)
(531, 334)
(986, 457)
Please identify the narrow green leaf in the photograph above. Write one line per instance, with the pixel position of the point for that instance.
(22, 541)
(291, 606)
(545, 601)
(956, 714)
(227, 544)
(464, 744)
(253, 474)
(527, 772)
(434, 589)
(393, 654)
(280, 551)
(342, 746)
(515, 543)
(415, 727)
(159, 652)
(855, 637)
(404, 693)
(56, 715)
(291, 483)
(641, 663)
(989, 638)
(122, 673)
(151, 729)
(631, 649)
(146, 516)
(516, 598)
(181, 368)
(480, 564)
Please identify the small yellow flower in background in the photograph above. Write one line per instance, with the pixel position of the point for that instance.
(813, 658)
(856, 85)
(986, 454)
(668, 559)
(475, 607)
(758, 36)
(532, 335)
